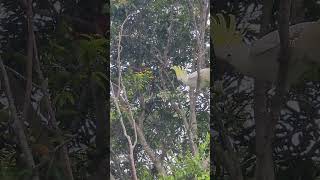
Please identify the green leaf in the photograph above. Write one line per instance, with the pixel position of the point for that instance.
(63, 98)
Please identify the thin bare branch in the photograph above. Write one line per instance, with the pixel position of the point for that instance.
(119, 49)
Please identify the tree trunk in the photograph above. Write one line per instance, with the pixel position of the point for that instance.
(150, 152)
(132, 163)
(27, 100)
(193, 126)
(266, 124)
(200, 25)
(102, 135)
(264, 161)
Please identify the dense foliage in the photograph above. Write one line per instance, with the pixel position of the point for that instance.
(73, 52)
(155, 35)
(295, 152)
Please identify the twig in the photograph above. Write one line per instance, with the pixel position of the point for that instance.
(20, 75)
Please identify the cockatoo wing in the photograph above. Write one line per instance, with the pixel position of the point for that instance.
(266, 51)
(192, 79)
(205, 75)
(308, 43)
(265, 44)
(204, 78)
(272, 39)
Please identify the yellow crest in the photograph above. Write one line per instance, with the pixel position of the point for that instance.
(179, 71)
(222, 34)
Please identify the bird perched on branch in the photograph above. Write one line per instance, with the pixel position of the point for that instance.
(260, 59)
(191, 79)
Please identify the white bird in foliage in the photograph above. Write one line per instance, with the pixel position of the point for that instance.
(260, 59)
(191, 79)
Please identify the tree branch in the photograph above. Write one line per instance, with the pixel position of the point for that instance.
(17, 124)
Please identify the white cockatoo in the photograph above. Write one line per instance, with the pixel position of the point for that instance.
(260, 59)
(191, 79)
